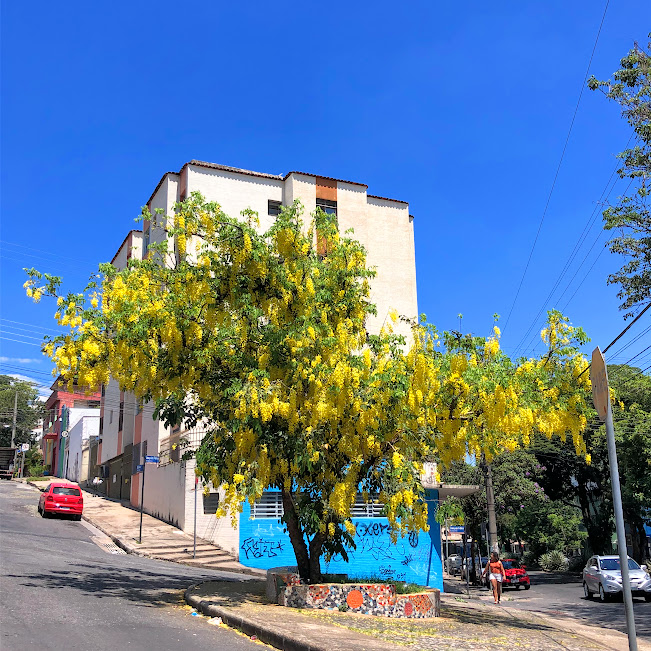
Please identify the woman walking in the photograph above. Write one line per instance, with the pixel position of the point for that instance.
(495, 571)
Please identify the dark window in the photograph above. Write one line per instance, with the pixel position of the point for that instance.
(274, 207)
(210, 503)
(327, 206)
(64, 490)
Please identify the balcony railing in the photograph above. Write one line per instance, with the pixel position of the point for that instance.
(173, 447)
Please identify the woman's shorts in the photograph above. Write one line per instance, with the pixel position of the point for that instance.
(497, 577)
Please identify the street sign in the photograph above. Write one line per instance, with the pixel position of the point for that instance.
(24, 447)
(140, 467)
(601, 398)
(599, 380)
(151, 459)
(457, 528)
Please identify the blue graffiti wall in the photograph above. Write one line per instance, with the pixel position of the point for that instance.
(415, 558)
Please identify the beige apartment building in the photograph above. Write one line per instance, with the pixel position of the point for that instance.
(383, 225)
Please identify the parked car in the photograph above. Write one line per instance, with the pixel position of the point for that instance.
(61, 497)
(515, 574)
(480, 564)
(453, 564)
(602, 575)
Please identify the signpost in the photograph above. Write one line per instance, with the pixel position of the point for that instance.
(457, 528)
(601, 399)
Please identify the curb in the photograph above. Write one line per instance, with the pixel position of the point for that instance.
(249, 627)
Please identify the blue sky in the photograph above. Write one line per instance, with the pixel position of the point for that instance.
(462, 112)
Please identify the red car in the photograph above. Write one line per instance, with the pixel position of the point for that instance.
(516, 574)
(61, 498)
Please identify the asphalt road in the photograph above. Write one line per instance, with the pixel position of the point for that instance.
(564, 596)
(61, 588)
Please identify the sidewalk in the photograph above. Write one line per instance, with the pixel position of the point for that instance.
(121, 522)
(462, 625)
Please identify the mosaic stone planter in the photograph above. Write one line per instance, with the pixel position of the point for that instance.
(283, 585)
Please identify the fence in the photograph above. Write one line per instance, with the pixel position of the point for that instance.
(172, 448)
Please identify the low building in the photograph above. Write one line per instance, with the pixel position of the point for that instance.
(63, 409)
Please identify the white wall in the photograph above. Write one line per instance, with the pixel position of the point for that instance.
(78, 434)
(235, 192)
(165, 489)
(209, 527)
(111, 401)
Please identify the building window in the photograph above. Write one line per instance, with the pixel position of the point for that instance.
(110, 416)
(269, 506)
(146, 241)
(361, 509)
(327, 206)
(274, 207)
(210, 503)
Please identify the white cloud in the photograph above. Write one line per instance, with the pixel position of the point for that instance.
(20, 360)
(44, 390)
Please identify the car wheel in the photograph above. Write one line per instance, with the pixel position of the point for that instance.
(517, 587)
(647, 597)
(586, 591)
(77, 517)
(44, 513)
(526, 587)
(602, 594)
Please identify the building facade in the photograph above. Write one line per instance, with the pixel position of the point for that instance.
(129, 431)
(63, 409)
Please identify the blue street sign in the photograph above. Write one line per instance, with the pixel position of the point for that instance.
(140, 467)
(151, 459)
(457, 528)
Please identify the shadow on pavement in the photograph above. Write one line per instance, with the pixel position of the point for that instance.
(147, 588)
(610, 614)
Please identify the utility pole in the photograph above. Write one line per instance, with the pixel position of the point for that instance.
(13, 426)
(490, 503)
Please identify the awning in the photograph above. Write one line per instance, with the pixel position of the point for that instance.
(456, 490)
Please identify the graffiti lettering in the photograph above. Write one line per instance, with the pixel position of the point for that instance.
(407, 559)
(378, 548)
(372, 529)
(258, 547)
(413, 539)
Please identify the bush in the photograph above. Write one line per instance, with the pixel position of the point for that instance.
(576, 563)
(554, 561)
(531, 561)
(35, 470)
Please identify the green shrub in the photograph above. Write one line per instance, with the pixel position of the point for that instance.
(400, 586)
(576, 563)
(554, 561)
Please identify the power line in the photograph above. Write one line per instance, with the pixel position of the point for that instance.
(632, 341)
(33, 325)
(590, 222)
(560, 162)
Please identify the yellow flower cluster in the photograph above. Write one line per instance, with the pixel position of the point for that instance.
(265, 335)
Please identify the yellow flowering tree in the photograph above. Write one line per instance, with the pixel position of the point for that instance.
(262, 337)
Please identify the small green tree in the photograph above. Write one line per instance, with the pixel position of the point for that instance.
(29, 410)
(630, 87)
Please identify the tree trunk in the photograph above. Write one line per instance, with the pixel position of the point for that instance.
(296, 536)
(316, 545)
(638, 537)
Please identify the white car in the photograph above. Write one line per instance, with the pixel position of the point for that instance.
(602, 576)
(453, 564)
